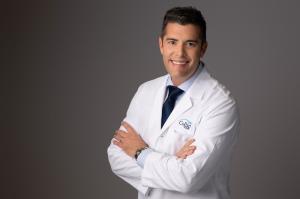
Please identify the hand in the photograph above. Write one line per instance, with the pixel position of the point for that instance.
(186, 150)
(129, 141)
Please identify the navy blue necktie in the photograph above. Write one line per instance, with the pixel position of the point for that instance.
(169, 104)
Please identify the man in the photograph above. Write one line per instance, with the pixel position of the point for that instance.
(180, 129)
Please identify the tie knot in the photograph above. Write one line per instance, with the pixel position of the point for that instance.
(174, 92)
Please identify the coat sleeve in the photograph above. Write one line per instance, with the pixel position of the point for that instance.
(126, 168)
(215, 138)
(121, 164)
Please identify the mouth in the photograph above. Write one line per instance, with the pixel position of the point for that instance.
(179, 62)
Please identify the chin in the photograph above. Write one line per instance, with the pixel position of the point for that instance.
(178, 75)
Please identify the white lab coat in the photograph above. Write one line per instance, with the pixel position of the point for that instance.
(207, 113)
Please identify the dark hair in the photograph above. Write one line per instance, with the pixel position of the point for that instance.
(184, 16)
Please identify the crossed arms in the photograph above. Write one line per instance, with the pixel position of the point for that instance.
(186, 171)
(122, 150)
(192, 166)
(131, 141)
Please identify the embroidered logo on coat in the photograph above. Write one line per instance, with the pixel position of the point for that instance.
(185, 123)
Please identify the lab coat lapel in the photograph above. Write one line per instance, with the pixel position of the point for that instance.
(184, 104)
(154, 129)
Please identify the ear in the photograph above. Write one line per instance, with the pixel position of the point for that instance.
(203, 49)
(160, 43)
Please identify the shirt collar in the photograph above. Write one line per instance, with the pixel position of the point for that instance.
(187, 83)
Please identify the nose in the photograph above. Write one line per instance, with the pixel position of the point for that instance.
(180, 50)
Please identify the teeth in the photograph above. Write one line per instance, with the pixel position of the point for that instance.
(179, 62)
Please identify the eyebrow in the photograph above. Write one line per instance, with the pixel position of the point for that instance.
(190, 40)
(168, 39)
(195, 41)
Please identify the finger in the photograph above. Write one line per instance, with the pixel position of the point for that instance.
(189, 142)
(185, 155)
(189, 150)
(192, 147)
(180, 153)
(120, 133)
(123, 134)
(118, 137)
(116, 133)
(127, 126)
(119, 144)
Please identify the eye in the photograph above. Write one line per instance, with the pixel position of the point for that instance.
(191, 44)
(171, 42)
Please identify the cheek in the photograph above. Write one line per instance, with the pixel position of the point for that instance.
(166, 54)
(166, 63)
(196, 55)
(168, 49)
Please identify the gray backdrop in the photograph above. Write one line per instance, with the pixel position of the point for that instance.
(70, 69)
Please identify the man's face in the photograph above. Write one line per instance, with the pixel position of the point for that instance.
(181, 49)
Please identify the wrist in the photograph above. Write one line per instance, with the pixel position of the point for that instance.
(139, 151)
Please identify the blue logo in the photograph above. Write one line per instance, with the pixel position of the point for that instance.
(185, 123)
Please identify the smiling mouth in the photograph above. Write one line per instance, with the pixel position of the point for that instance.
(179, 62)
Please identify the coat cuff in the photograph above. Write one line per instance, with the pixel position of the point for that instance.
(143, 156)
(144, 190)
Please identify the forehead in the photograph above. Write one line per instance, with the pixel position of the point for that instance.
(184, 32)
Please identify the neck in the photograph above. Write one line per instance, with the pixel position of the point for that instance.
(179, 80)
